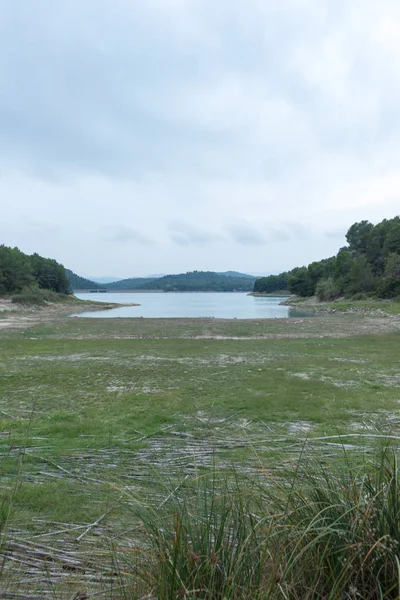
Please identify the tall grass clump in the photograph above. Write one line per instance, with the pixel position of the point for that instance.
(340, 530)
(314, 533)
(204, 542)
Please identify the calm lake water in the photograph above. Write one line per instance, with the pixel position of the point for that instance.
(198, 304)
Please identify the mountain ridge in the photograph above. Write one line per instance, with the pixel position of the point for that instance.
(189, 281)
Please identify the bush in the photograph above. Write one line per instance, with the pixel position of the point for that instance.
(389, 288)
(327, 290)
(35, 296)
(360, 296)
(28, 299)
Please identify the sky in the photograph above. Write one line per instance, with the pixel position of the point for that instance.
(162, 136)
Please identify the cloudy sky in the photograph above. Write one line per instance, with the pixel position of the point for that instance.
(155, 136)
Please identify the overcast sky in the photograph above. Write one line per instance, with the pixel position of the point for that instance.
(156, 136)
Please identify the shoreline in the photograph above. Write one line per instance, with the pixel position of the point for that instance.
(341, 306)
(18, 316)
(269, 294)
(15, 316)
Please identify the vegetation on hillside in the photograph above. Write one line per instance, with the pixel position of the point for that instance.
(133, 283)
(81, 283)
(368, 265)
(19, 271)
(197, 281)
(194, 281)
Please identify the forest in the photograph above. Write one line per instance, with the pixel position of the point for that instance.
(368, 266)
(19, 271)
(193, 281)
(196, 281)
(77, 282)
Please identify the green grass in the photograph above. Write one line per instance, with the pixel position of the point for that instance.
(315, 533)
(110, 404)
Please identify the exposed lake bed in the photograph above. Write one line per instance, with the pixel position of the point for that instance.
(111, 404)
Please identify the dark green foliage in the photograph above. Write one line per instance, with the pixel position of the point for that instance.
(370, 264)
(49, 274)
(80, 283)
(392, 268)
(360, 278)
(358, 236)
(201, 281)
(272, 283)
(15, 270)
(194, 281)
(133, 283)
(299, 282)
(19, 271)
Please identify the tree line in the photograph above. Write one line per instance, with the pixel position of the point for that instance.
(193, 281)
(368, 265)
(197, 281)
(19, 271)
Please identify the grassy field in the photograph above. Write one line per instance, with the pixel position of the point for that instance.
(99, 415)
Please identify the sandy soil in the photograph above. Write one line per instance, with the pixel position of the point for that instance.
(16, 315)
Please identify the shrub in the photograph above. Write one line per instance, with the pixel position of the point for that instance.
(327, 290)
(360, 296)
(35, 296)
(28, 299)
(389, 288)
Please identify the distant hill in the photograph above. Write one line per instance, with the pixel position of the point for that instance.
(104, 279)
(81, 283)
(202, 281)
(133, 283)
(193, 281)
(237, 274)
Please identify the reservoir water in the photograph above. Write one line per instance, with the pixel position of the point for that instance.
(224, 305)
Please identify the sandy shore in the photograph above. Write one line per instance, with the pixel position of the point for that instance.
(18, 316)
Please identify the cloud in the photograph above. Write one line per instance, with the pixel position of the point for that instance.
(264, 87)
(185, 234)
(215, 125)
(124, 234)
(246, 234)
(336, 234)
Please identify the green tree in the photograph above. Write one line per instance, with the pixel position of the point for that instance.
(358, 235)
(49, 274)
(392, 242)
(15, 269)
(392, 268)
(327, 290)
(360, 278)
(299, 282)
(272, 283)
